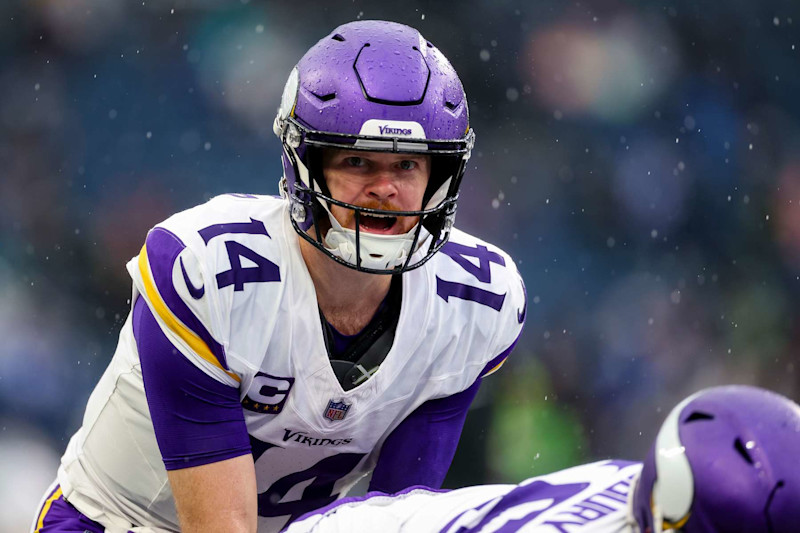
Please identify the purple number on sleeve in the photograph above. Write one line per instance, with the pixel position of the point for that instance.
(265, 270)
(254, 227)
(482, 272)
(446, 289)
(238, 275)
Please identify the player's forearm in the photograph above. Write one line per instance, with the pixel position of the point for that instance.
(217, 498)
(214, 520)
(235, 523)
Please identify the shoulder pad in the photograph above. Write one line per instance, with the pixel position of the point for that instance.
(484, 283)
(193, 263)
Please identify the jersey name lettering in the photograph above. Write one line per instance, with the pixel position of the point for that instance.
(593, 508)
(302, 438)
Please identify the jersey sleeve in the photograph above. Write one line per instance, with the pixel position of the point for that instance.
(420, 450)
(477, 313)
(176, 287)
(510, 320)
(178, 323)
(197, 420)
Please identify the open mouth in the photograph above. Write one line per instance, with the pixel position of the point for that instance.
(377, 223)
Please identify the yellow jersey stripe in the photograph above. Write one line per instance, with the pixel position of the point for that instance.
(495, 368)
(197, 344)
(676, 525)
(46, 507)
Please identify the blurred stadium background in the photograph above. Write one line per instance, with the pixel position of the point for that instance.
(640, 160)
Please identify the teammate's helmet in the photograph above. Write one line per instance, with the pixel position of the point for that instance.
(725, 460)
(373, 86)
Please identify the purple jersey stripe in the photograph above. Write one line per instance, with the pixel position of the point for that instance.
(163, 248)
(498, 361)
(419, 451)
(197, 419)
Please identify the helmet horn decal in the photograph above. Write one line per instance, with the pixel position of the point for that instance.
(674, 487)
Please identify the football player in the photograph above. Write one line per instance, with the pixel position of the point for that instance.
(280, 349)
(724, 461)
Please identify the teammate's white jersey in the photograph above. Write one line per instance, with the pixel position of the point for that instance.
(234, 296)
(590, 498)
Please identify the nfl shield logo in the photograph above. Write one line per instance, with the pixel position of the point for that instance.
(336, 410)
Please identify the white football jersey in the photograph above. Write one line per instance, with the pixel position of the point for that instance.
(239, 303)
(591, 498)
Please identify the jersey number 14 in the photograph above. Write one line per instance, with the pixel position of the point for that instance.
(482, 272)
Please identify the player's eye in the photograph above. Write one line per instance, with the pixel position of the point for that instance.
(408, 165)
(354, 161)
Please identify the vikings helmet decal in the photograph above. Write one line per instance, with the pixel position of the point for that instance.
(374, 86)
(724, 460)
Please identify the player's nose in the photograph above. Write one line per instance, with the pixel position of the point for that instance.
(383, 185)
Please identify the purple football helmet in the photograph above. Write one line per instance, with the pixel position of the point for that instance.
(373, 86)
(725, 460)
